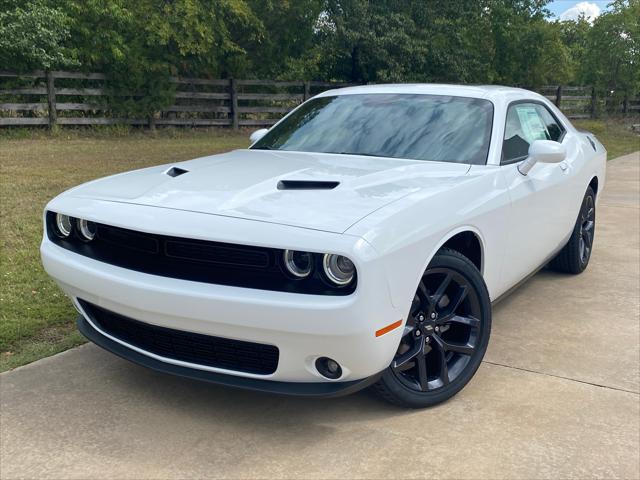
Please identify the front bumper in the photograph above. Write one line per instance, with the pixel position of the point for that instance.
(303, 327)
(300, 389)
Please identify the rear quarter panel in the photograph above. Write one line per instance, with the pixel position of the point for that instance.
(593, 157)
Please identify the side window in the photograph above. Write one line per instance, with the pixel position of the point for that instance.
(554, 129)
(527, 122)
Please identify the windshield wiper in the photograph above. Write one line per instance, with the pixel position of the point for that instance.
(354, 153)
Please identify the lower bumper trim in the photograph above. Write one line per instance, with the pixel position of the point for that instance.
(302, 389)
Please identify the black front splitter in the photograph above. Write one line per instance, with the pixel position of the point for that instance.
(307, 389)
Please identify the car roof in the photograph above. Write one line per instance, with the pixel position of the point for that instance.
(473, 91)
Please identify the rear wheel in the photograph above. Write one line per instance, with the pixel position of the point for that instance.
(575, 255)
(445, 336)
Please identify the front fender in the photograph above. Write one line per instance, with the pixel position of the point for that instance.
(408, 233)
(404, 267)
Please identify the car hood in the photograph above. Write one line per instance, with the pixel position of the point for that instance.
(253, 185)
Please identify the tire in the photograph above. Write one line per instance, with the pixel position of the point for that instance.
(451, 311)
(574, 256)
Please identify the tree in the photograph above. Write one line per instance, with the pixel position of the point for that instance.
(140, 44)
(32, 36)
(287, 35)
(464, 41)
(612, 62)
(457, 36)
(574, 35)
(366, 41)
(399, 40)
(528, 49)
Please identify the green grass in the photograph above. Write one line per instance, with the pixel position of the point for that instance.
(36, 320)
(615, 134)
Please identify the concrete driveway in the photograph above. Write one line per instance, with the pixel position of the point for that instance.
(557, 396)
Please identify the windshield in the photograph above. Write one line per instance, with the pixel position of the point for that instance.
(420, 127)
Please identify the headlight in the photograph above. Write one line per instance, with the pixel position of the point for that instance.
(87, 229)
(340, 270)
(64, 225)
(298, 264)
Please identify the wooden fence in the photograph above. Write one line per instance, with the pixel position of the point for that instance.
(73, 98)
(583, 102)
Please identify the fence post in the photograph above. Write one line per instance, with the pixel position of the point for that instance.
(51, 99)
(233, 91)
(593, 102)
(559, 96)
(625, 104)
(307, 90)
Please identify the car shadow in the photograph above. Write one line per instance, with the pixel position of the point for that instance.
(258, 411)
(221, 406)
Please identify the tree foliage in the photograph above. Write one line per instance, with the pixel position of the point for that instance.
(612, 62)
(33, 36)
(140, 44)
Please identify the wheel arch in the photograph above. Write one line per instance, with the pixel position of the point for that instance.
(467, 243)
(594, 185)
(467, 240)
(405, 266)
(451, 238)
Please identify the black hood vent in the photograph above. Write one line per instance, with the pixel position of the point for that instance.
(306, 185)
(176, 171)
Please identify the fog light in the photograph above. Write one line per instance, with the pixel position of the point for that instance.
(87, 229)
(63, 225)
(328, 368)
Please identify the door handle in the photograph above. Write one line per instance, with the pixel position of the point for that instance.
(564, 166)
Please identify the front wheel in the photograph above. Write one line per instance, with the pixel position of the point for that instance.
(445, 336)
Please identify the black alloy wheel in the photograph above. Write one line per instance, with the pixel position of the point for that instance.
(445, 336)
(587, 229)
(575, 255)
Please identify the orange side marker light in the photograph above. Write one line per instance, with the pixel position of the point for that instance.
(388, 328)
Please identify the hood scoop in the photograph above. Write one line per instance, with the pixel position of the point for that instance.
(307, 185)
(176, 171)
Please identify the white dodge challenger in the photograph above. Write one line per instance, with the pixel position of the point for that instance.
(358, 242)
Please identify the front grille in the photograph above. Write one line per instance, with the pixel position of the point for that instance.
(216, 254)
(197, 260)
(189, 347)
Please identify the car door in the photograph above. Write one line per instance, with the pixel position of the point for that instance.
(541, 216)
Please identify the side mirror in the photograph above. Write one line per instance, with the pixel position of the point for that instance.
(258, 134)
(543, 151)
